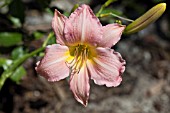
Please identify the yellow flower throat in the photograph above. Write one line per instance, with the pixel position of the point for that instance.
(78, 57)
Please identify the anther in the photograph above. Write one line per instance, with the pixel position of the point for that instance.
(80, 57)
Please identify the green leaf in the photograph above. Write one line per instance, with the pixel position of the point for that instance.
(16, 21)
(17, 53)
(18, 74)
(38, 35)
(8, 39)
(5, 63)
(49, 11)
(4, 3)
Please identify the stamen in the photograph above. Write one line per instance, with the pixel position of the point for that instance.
(80, 57)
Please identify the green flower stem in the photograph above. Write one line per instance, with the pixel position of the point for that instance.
(51, 34)
(74, 8)
(117, 16)
(108, 2)
(7, 73)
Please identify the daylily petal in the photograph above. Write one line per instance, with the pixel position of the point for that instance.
(111, 34)
(53, 66)
(106, 68)
(79, 84)
(58, 23)
(83, 26)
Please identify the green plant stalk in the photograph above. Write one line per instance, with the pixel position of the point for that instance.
(117, 16)
(108, 2)
(7, 73)
(48, 38)
(74, 8)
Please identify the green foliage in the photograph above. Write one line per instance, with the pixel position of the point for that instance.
(17, 63)
(18, 74)
(107, 12)
(111, 10)
(49, 11)
(74, 8)
(52, 39)
(107, 3)
(4, 3)
(8, 39)
(37, 35)
(16, 21)
(5, 63)
(17, 53)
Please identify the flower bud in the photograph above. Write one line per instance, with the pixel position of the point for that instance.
(149, 17)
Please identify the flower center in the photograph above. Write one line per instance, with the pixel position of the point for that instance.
(79, 54)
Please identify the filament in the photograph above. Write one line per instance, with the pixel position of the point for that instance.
(80, 57)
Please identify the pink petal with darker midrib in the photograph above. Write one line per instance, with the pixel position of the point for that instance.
(111, 34)
(79, 84)
(83, 27)
(106, 68)
(58, 24)
(53, 66)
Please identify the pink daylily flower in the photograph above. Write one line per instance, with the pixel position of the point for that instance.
(83, 52)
